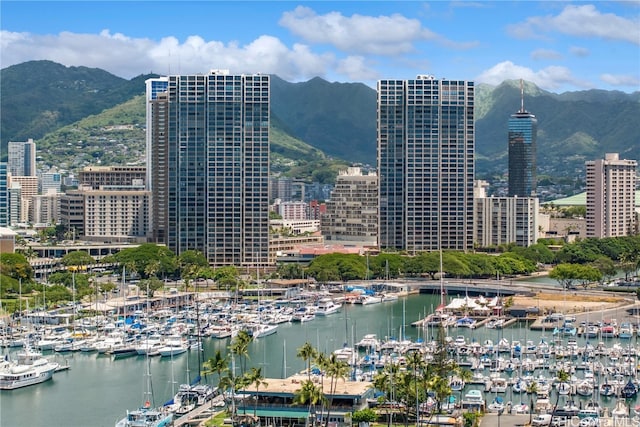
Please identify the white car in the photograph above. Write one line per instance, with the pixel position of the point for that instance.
(541, 420)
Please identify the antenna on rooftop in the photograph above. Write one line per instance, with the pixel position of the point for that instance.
(522, 96)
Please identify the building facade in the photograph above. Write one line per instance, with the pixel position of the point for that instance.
(208, 160)
(352, 209)
(98, 176)
(426, 138)
(22, 158)
(45, 208)
(4, 195)
(292, 210)
(50, 181)
(116, 214)
(28, 187)
(505, 220)
(523, 130)
(610, 196)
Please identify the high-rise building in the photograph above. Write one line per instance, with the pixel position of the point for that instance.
(28, 185)
(426, 138)
(506, 220)
(50, 181)
(208, 165)
(4, 195)
(610, 196)
(523, 129)
(281, 188)
(352, 209)
(45, 208)
(22, 158)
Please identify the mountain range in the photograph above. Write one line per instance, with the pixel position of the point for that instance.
(80, 115)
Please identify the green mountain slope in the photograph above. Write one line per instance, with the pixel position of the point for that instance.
(337, 118)
(39, 97)
(309, 119)
(116, 136)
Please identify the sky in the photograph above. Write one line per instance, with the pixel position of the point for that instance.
(560, 46)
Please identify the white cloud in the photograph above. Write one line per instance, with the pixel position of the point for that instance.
(356, 69)
(382, 35)
(621, 80)
(549, 78)
(128, 57)
(581, 21)
(544, 54)
(579, 51)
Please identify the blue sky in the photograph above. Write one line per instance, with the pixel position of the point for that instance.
(560, 46)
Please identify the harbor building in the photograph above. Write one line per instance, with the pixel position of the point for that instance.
(523, 130)
(22, 158)
(610, 196)
(352, 210)
(208, 165)
(425, 138)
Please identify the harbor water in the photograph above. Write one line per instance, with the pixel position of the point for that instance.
(98, 390)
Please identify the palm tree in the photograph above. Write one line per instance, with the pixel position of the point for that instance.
(309, 393)
(337, 370)
(307, 353)
(417, 364)
(385, 382)
(466, 376)
(228, 382)
(217, 364)
(562, 376)
(532, 389)
(240, 347)
(254, 376)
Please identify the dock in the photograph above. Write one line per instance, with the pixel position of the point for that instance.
(200, 413)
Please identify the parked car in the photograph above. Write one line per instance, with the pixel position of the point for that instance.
(541, 420)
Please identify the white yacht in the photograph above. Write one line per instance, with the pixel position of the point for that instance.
(260, 330)
(327, 306)
(173, 346)
(30, 368)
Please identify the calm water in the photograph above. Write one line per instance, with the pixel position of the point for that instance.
(98, 390)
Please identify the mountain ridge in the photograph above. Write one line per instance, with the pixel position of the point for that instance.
(327, 119)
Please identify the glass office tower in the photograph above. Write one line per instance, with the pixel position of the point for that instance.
(523, 128)
(426, 138)
(208, 152)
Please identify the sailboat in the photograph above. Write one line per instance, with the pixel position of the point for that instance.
(146, 415)
(261, 328)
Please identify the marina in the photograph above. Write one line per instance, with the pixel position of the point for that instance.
(503, 360)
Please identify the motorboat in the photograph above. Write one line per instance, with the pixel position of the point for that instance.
(173, 347)
(260, 330)
(368, 342)
(327, 306)
(30, 368)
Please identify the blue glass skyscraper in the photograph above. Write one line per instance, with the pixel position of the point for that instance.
(523, 128)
